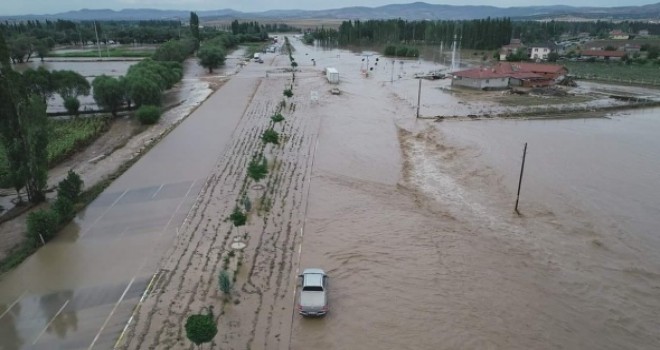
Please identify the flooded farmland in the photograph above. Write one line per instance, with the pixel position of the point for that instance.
(412, 219)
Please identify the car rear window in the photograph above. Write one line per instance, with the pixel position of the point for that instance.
(313, 289)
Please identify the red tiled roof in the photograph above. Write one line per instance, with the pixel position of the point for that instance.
(519, 70)
(603, 53)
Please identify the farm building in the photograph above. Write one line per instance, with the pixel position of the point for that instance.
(507, 74)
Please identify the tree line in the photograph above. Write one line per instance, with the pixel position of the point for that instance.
(478, 34)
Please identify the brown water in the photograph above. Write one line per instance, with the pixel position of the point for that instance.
(415, 226)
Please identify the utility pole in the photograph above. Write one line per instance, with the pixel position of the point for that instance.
(522, 169)
(392, 78)
(419, 95)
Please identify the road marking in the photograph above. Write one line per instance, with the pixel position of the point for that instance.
(135, 309)
(51, 321)
(157, 191)
(12, 305)
(178, 207)
(103, 214)
(111, 313)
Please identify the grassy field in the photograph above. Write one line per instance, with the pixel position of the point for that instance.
(616, 72)
(114, 52)
(66, 137)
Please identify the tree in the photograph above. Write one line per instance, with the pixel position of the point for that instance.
(72, 105)
(4, 53)
(271, 136)
(70, 84)
(43, 48)
(143, 91)
(41, 225)
(33, 119)
(224, 282)
(194, 26)
(257, 168)
(201, 328)
(211, 56)
(40, 82)
(237, 217)
(21, 48)
(70, 187)
(108, 93)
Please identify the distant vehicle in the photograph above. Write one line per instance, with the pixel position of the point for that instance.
(260, 60)
(313, 298)
(257, 56)
(332, 75)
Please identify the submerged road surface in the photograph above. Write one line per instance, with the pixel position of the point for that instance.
(79, 290)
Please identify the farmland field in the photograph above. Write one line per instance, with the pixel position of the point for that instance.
(66, 136)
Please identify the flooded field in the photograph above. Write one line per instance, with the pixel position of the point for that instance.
(412, 219)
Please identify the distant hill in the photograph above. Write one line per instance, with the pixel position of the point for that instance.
(411, 11)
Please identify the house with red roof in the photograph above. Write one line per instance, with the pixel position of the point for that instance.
(507, 74)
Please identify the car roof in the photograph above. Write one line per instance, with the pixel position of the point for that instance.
(313, 277)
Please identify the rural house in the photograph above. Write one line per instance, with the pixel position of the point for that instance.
(540, 51)
(508, 74)
(510, 49)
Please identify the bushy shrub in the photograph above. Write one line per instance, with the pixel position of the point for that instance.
(70, 187)
(271, 136)
(288, 92)
(72, 105)
(63, 207)
(41, 222)
(148, 114)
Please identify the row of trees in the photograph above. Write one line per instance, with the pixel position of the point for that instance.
(23, 130)
(480, 34)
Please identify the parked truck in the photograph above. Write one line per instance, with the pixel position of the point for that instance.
(332, 75)
(313, 297)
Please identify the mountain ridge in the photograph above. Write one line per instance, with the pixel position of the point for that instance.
(408, 11)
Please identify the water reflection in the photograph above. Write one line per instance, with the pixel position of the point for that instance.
(63, 322)
(9, 334)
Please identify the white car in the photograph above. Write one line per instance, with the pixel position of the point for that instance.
(313, 298)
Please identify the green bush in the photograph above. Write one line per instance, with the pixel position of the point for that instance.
(277, 118)
(402, 51)
(288, 92)
(271, 136)
(72, 105)
(41, 222)
(201, 328)
(63, 207)
(70, 187)
(148, 114)
(258, 168)
(390, 50)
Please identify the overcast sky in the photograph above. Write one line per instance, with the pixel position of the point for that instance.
(22, 7)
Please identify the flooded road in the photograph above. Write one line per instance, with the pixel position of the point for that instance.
(79, 291)
(414, 223)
